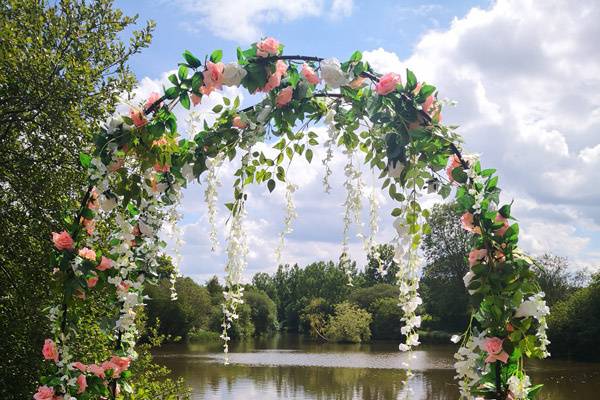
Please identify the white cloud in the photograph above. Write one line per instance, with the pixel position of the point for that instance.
(525, 75)
(242, 20)
(526, 80)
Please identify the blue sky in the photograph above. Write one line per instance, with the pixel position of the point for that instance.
(394, 25)
(524, 75)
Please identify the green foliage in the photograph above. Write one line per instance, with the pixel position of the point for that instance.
(446, 247)
(366, 296)
(263, 311)
(386, 318)
(349, 323)
(556, 279)
(574, 324)
(379, 258)
(62, 65)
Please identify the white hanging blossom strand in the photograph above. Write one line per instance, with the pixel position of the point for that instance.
(352, 209)
(332, 134)
(468, 361)
(174, 217)
(290, 216)
(237, 250)
(373, 219)
(211, 196)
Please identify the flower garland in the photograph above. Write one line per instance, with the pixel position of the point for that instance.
(140, 164)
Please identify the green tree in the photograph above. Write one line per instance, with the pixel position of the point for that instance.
(365, 297)
(349, 323)
(574, 324)
(386, 319)
(314, 316)
(446, 247)
(380, 258)
(62, 67)
(556, 278)
(178, 317)
(263, 311)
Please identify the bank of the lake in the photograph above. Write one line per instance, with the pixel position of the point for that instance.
(295, 367)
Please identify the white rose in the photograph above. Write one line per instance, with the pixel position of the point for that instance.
(527, 308)
(467, 280)
(264, 114)
(395, 168)
(145, 229)
(332, 73)
(188, 172)
(233, 74)
(107, 203)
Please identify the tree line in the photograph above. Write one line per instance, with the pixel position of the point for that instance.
(316, 299)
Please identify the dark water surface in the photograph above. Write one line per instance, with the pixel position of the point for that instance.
(293, 367)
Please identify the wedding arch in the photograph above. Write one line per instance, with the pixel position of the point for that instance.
(390, 123)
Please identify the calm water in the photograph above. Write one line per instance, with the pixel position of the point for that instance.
(292, 367)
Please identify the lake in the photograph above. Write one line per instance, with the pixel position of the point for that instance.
(294, 367)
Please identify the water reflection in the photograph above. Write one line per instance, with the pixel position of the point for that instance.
(292, 367)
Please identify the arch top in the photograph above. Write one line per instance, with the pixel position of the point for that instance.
(391, 123)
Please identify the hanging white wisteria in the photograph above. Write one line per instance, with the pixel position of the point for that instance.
(211, 195)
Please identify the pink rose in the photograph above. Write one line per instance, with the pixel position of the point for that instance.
(284, 96)
(117, 165)
(501, 231)
(138, 117)
(82, 383)
(92, 281)
(89, 225)
(160, 142)
(78, 365)
(467, 223)
(387, 83)
(105, 263)
(213, 76)
(310, 75)
(273, 82)
(122, 286)
(118, 364)
(44, 393)
(49, 351)
(281, 68)
(428, 103)
(62, 241)
(275, 78)
(453, 162)
(162, 168)
(267, 47)
(476, 255)
(493, 346)
(96, 370)
(238, 123)
(417, 88)
(87, 254)
(154, 97)
(195, 99)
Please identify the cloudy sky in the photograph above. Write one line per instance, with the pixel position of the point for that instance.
(525, 76)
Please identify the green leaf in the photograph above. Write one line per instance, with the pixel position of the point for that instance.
(396, 212)
(173, 79)
(197, 80)
(459, 175)
(185, 100)
(271, 185)
(85, 160)
(218, 108)
(356, 56)
(411, 80)
(191, 60)
(182, 72)
(309, 155)
(172, 92)
(216, 56)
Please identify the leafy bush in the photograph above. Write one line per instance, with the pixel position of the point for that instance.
(386, 318)
(574, 324)
(263, 311)
(349, 323)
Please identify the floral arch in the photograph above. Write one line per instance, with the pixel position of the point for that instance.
(140, 164)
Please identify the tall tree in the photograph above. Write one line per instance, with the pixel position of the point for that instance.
(446, 248)
(381, 267)
(62, 67)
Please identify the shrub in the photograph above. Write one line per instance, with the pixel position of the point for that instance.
(349, 323)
